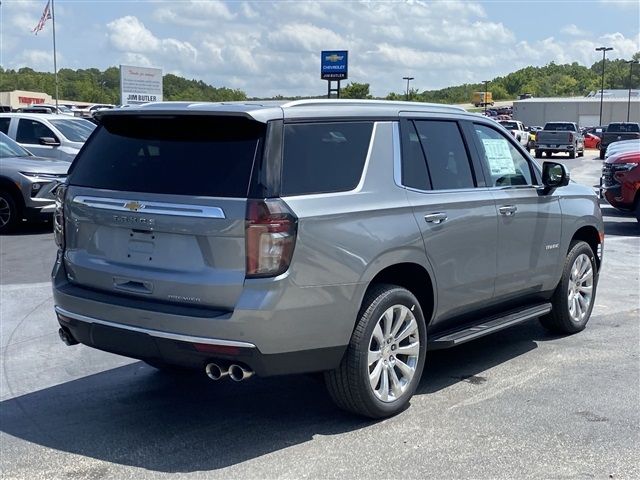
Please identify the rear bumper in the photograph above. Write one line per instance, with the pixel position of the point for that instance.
(557, 148)
(273, 332)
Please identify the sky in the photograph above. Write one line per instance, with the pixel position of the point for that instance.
(267, 48)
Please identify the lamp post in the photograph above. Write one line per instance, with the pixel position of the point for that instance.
(630, 62)
(408, 79)
(486, 82)
(604, 51)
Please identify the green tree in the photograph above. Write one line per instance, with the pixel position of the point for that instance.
(355, 90)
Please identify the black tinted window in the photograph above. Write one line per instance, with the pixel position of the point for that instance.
(4, 125)
(31, 131)
(185, 155)
(446, 154)
(560, 127)
(624, 127)
(414, 166)
(324, 157)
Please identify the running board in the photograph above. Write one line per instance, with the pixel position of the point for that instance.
(487, 326)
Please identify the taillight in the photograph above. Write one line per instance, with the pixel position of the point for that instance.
(571, 137)
(58, 215)
(271, 229)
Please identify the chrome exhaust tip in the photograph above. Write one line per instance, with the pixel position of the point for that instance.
(215, 371)
(66, 337)
(239, 373)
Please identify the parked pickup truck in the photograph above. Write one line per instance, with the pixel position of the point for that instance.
(558, 137)
(518, 130)
(616, 132)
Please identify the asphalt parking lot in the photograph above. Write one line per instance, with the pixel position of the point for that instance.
(519, 404)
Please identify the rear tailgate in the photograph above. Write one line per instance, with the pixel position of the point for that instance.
(553, 137)
(156, 208)
(611, 137)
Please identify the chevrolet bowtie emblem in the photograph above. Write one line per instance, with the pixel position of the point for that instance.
(134, 206)
(334, 58)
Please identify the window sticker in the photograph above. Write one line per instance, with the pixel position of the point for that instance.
(499, 156)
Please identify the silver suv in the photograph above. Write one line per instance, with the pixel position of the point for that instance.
(27, 183)
(345, 237)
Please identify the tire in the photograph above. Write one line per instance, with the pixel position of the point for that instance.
(549, 154)
(581, 153)
(561, 319)
(637, 210)
(572, 154)
(598, 146)
(538, 154)
(601, 154)
(9, 213)
(350, 386)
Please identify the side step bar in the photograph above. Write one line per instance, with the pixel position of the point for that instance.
(487, 326)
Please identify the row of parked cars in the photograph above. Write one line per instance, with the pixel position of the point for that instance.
(620, 181)
(36, 151)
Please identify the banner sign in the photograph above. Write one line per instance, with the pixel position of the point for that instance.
(334, 65)
(140, 85)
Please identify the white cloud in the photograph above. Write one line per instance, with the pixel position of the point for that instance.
(128, 34)
(572, 29)
(194, 13)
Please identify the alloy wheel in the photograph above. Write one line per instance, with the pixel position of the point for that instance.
(394, 348)
(580, 291)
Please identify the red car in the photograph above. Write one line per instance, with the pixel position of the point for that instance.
(591, 141)
(621, 181)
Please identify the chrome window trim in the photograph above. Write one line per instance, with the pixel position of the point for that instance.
(397, 156)
(154, 333)
(155, 208)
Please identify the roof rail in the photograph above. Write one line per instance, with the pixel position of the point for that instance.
(369, 103)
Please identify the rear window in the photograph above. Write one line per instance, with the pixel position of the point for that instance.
(184, 155)
(563, 127)
(324, 157)
(624, 127)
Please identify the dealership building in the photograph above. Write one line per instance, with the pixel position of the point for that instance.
(585, 111)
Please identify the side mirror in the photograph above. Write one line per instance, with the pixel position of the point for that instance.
(554, 175)
(50, 141)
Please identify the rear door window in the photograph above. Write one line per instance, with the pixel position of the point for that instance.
(181, 155)
(447, 159)
(324, 157)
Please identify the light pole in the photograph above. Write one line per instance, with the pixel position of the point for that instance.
(604, 51)
(408, 79)
(630, 62)
(486, 82)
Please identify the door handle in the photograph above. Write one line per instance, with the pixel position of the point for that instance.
(435, 217)
(508, 210)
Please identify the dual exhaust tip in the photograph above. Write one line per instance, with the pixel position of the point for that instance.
(237, 373)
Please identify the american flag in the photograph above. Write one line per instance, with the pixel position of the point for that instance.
(46, 15)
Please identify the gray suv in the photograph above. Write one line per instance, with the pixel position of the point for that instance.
(345, 237)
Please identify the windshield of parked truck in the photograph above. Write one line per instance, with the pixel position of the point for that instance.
(562, 127)
(76, 130)
(509, 125)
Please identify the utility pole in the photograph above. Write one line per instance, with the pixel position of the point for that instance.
(408, 79)
(604, 51)
(486, 82)
(630, 62)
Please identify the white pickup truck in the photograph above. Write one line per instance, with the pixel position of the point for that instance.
(517, 130)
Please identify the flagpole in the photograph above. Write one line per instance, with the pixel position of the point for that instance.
(55, 65)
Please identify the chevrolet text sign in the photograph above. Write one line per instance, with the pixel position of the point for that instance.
(333, 65)
(140, 85)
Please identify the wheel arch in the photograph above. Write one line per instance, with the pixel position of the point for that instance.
(7, 185)
(589, 234)
(415, 278)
